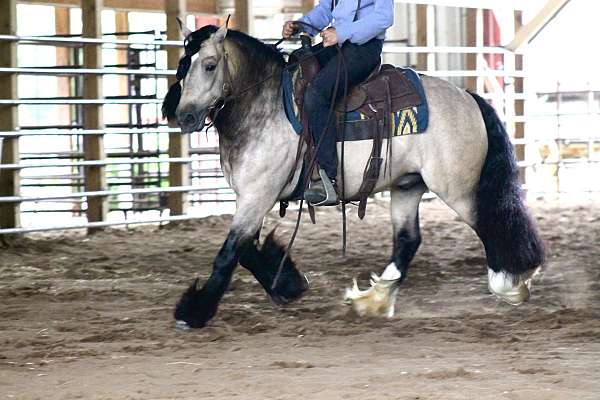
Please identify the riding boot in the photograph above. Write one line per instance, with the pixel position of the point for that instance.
(323, 192)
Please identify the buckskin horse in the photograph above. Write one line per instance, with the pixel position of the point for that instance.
(465, 157)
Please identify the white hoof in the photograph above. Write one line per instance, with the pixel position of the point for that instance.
(181, 325)
(513, 290)
(379, 299)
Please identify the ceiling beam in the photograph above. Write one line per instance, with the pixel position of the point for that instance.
(485, 4)
(537, 23)
(193, 6)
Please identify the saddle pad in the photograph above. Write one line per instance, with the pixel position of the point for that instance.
(358, 126)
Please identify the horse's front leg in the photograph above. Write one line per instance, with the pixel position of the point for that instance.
(198, 305)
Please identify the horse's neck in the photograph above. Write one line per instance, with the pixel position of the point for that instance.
(255, 122)
(245, 117)
(253, 103)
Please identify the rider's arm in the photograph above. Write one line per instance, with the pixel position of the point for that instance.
(320, 17)
(369, 25)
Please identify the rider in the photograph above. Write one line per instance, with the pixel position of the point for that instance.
(358, 26)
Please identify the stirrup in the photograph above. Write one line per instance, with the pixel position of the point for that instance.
(331, 196)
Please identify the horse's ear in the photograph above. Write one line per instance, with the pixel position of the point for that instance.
(222, 32)
(185, 32)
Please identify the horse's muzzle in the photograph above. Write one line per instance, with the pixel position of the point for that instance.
(190, 121)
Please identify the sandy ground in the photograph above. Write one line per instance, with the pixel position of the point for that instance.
(90, 317)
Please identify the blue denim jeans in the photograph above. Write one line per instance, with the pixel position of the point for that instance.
(360, 61)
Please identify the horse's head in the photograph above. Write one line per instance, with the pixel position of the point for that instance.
(202, 78)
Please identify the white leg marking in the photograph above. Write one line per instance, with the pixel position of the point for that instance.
(391, 272)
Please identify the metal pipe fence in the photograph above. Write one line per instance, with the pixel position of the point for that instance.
(21, 199)
(131, 177)
(85, 132)
(59, 40)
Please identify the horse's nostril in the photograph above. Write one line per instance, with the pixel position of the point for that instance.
(189, 119)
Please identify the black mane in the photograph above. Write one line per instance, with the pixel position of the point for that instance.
(257, 60)
(255, 49)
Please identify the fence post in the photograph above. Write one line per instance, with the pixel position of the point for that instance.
(431, 36)
(519, 102)
(9, 178)
(178, 142)
(93, 145)
(122, 25)
(244, 19)
(421, 37)
(62, 24)
(470, 82)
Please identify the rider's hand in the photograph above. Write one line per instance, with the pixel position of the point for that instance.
(289, 28)
(329, 36)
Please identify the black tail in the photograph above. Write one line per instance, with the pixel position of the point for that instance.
(511, 239)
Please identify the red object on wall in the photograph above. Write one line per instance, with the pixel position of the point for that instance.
(491, 37)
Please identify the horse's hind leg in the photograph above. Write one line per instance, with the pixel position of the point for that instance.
(405, 221)
(509, 287)
(379, 300)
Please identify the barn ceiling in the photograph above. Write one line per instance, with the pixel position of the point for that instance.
(270, 7)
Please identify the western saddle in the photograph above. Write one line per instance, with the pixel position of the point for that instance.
(385, 91)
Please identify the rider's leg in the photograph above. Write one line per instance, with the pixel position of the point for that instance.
(360, 60)
(317, 101)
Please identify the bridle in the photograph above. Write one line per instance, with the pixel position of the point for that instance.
(220, 102)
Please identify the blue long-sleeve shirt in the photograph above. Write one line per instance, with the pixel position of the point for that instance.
(372, 20)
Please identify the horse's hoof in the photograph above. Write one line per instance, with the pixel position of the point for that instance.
(306, 281)
(377, 301)
(182, 326)
(508, 288)
(196, 307)
(288, 292)
(278, 300)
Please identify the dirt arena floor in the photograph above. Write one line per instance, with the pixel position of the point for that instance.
(91, 317)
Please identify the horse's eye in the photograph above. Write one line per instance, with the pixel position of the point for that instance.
(210, 67)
